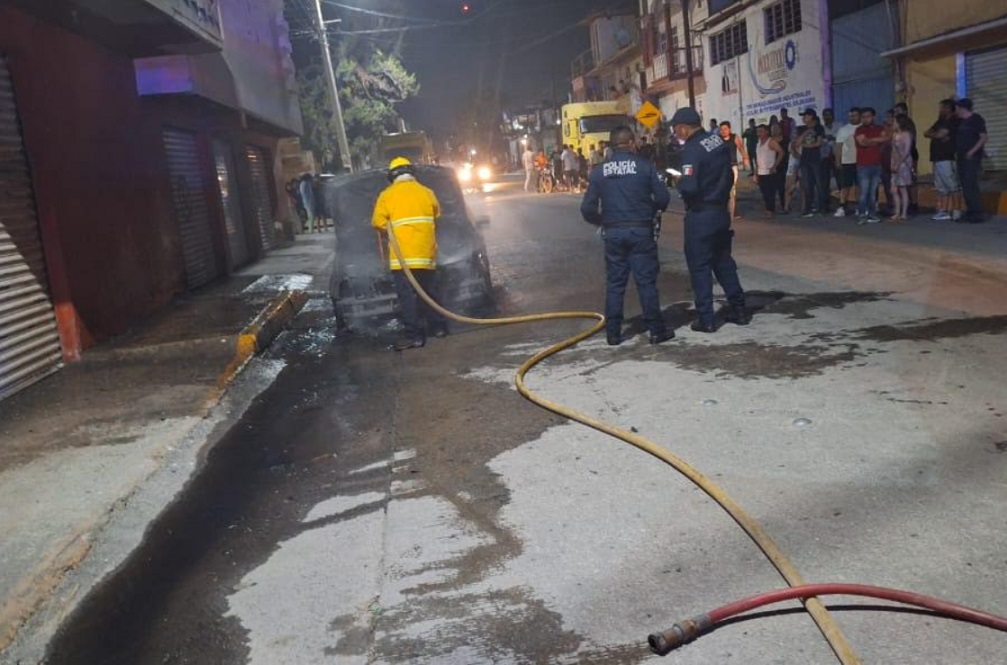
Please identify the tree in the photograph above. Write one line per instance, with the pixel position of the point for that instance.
(369, 90)
(371, 84)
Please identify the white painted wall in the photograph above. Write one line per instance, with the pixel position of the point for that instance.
(788, 73)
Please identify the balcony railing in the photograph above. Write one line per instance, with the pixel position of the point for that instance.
(582, 64)
(660, 66)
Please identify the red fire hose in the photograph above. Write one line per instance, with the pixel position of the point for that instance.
(690, 629)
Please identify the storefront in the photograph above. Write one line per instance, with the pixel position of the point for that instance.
(956, 50)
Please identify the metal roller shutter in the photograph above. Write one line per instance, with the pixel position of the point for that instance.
(237, 239)
(986, 81)
(860, 76)
(191, 207)
(262, 202)
(29, 341)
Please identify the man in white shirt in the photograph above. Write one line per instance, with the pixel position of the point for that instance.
(570, 166)
(845, 153)
(528, 162)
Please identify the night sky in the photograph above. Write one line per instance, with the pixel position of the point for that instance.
(517, 47)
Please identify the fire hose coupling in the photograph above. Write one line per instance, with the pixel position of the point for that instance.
(680, 634)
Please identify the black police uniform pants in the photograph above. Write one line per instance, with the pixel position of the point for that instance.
(632, 250)
(416, 314)
(708, 239)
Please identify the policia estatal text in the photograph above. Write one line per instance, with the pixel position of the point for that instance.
(705, 185)
(631, 196)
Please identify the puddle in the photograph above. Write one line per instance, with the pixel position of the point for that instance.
(931, 331)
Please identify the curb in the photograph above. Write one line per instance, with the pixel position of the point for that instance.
(257, 335)
(36, 588)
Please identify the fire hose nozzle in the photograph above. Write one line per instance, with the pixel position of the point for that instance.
(681, 633)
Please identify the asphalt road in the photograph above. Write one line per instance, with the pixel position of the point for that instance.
(381, 508)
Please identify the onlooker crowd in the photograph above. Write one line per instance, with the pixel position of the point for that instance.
(863, 157)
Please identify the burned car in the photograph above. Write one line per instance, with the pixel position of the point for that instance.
(362, 290)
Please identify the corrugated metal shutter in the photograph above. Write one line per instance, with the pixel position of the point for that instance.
(877, 93)
(191, 207)
(29, 341)
(262, 202)
(860, 76)
(237, 239)
(986, 82)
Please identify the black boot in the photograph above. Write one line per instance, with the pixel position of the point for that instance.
(613, 339)
(704, 326)
(662, 336)
(739, 316)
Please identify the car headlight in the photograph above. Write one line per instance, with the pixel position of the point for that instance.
(465, 175)
(485, 173)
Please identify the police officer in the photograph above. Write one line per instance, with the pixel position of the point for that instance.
(705, 186)
(631, 196)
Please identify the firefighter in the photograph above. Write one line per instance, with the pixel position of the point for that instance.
(705, 186)
(409, 210)
(624, 197)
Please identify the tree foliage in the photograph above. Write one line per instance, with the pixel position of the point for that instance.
(371, 83)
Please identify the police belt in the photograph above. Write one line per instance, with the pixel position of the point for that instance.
(629, 225)
(708, 207)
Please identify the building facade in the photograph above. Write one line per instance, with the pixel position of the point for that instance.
(860, 32)
(126, 178)
(667, 78)
(954, 49)
(764, 56)
(613, 69)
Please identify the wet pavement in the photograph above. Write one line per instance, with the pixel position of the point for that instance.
(379, 508)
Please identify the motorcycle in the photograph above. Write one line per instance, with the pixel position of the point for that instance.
(546, 181)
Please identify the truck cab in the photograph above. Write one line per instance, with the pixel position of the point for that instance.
(589, 123)
(414, 146)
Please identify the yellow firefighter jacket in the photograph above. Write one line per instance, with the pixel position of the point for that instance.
(409, 209)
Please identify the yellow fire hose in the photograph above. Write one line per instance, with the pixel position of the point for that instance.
(826, 624)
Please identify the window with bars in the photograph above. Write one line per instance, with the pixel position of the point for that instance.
(729, 43)
(661, 43)
(782, 18)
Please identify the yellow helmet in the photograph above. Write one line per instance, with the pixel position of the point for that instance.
(400, 166)
(399, 162)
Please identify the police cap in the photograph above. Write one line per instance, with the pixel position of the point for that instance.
(686, 116)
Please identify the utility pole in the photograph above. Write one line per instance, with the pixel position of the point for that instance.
(337, 108)
(687, 34)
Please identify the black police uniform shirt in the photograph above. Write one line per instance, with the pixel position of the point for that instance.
(707, 177)
(628, 190)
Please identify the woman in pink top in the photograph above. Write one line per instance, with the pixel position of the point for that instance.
(902, 168)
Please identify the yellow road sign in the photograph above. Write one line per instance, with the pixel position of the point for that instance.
(648, 115)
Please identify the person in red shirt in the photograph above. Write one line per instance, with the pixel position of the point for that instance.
(869, 138)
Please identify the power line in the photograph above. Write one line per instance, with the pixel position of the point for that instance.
(372, 12)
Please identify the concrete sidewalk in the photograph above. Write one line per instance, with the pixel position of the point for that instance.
(987, 239)
(92, 454)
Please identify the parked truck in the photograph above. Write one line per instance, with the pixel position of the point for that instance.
(414, 146)
(589, 123)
